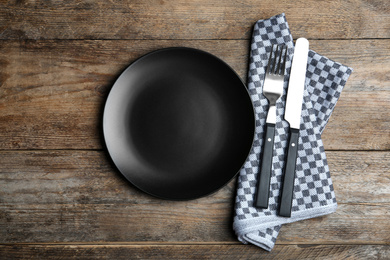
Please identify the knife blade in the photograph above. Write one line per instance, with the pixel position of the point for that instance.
(296, 86)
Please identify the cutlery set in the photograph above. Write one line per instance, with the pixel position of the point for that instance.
(272, 90)
(286, 177)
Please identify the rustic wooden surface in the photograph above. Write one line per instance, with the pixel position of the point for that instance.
(61, 197)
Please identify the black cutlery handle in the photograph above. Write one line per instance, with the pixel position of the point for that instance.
(264, 176)
(289, 175)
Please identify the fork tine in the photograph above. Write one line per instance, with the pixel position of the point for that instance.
(284, 60)
(277, 60)
(277, 71)
(275, 65)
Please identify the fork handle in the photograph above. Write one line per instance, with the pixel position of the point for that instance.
(264, 176)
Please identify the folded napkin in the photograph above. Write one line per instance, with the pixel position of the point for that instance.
(313, 190)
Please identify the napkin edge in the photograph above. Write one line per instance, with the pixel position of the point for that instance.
(243, 227)
(257, 241)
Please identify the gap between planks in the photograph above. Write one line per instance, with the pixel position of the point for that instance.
(185, 39)
(186, 243)
(105, 150)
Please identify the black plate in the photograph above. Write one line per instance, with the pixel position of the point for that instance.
(179, 123)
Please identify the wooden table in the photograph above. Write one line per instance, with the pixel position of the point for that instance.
(60, 197)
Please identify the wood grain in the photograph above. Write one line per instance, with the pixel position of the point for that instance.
(195, 251)
(70, 196)
(52, 93)
(60, 195)
(38, 223)
(189, 19)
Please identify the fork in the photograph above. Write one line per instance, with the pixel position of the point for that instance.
(272, 90)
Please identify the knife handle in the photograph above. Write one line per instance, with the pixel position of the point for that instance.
(289, 175)
(264, 176)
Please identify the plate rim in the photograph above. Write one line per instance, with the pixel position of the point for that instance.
(154, 52)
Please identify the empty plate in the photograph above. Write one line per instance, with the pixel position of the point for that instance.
(179, 123)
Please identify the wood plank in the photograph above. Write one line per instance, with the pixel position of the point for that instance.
(205, 251)
(89, 177)
(164, 222)
(347, 127)
(184, 19)
(52, 93)
(368, 58)
(360, 177)
(70, 196)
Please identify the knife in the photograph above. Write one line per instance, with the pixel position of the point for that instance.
(296, 86)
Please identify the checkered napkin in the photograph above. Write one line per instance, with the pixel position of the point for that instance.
(313, 189)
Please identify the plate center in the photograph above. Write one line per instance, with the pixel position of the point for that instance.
(177, 124)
